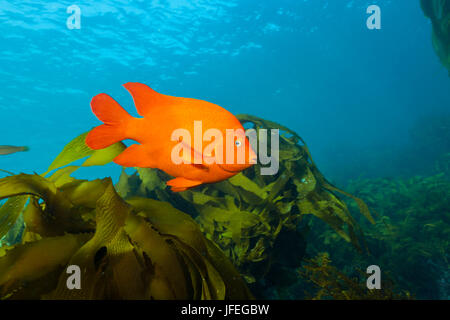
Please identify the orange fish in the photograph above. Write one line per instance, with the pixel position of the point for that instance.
(156, 132)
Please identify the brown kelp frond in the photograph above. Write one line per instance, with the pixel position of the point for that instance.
(77, 149)
(143, 249)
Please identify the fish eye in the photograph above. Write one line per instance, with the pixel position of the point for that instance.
(238, 143)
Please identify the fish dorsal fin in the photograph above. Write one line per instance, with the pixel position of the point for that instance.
(145, 98)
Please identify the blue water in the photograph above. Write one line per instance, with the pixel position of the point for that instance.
(311, 65)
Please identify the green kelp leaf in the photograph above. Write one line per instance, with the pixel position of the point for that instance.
(240, 180)
(9, 212)
(77, 149)
(74, 150)
(226, 187)
(130, 273)
(363, 208)
(15, 233)
(26, 184)
(58, 209)
(265, 124)
(319, 209)
(200, 198)
(35, 221)
(170, 278)
(169, 220)
(257, 253)
(234, 221)
(194, 275)
(111, 213)
(181, 232)
(150, 179)
(276, 187)
(62, 176)
(305, 184)
(234, 285)
(211, 282)
(122, 186)
(104, 156)
(31, 261)
(85, 193)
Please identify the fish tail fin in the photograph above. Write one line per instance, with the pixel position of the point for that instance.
(115, 120)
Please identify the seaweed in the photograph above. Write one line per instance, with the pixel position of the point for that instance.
(438, 11)
(330, 283)
(135, 249)
(410, 239)
(246, 214)
(139, 240)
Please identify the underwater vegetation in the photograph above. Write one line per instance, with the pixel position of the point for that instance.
(139, 249)
(410, 240)
(255, 218)
(139, 240)
(438, 11)
(330, 283)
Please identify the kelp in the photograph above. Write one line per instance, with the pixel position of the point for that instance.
(410, 239)
(246, 214)
(438, 11)
(139, 240)
(330, 283)
(140, 249)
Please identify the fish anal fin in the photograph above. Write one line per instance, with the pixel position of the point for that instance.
(135, 155)
(182, 184)
(145, 98)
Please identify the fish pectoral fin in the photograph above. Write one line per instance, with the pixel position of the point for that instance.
(135, 155)
(200, 166)
(182, 184)
(194, 157)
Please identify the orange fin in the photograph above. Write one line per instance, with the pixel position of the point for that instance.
(103, 136)
(135, 156)
(193, 157)
(145, 98)
(114, 117)
(108, 110)
(182, 184)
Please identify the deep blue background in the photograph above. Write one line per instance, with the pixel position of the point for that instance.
(312, 65)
